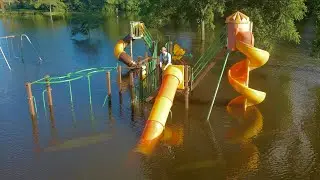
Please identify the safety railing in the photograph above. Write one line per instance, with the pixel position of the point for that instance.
(209, 55)
(147, 86)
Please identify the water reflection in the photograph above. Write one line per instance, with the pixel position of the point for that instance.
(172, 135)
(291, 153)
(88, 46)
(35, 135)
(53, 130)
(244, 157)
(79, 142)
(249, 124)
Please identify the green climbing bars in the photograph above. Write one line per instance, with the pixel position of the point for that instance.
(209, 55)
(148, 38)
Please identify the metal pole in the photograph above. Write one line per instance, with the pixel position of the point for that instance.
(216, 91)
(4, 56)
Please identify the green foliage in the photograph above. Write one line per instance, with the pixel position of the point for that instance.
(132, 5)
(110, 6)
(198, 10)
(57, 5)
(314, 10)
(159, 13)
(273, 20)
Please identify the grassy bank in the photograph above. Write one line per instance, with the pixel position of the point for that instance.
(28, 12)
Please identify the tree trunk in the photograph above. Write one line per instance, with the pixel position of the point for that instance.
(203, 36)
(51, 12)
(2, 5)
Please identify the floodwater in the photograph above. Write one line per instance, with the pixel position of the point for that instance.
(278, 139)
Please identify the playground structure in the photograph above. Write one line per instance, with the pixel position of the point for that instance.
(146, 69)
(176, 78)
(171, 135)
(137, 31)
(240, 38)
(7, 48)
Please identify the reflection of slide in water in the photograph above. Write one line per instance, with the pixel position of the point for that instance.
(172, 78)
(120, 53)
(248, 126)
(247, 157)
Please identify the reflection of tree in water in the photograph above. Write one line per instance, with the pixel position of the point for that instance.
(88, 46)
(316, 44)
(85, 23)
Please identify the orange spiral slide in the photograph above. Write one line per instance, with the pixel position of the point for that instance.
(172, 79)
(238, 75)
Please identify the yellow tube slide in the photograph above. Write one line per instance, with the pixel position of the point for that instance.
(238, 74)
(119, 51)
(159, 113)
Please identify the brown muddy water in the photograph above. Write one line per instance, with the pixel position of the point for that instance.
(278, 139)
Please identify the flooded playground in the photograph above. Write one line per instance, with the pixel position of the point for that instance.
(89, 135)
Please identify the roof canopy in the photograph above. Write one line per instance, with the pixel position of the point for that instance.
(238, 18)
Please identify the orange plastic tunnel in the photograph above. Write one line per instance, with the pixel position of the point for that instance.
(155, 125)
(120, 53)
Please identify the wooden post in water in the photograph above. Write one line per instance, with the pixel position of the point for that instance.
(141, 70)
(191, 80)
(159, 74)
(131, 53)
(119, 79)
(171, 48)
(109, 83)
(186, 86)
(50, 103)
(131, 80)
(30, 100)
(132, 88)
(147, 63)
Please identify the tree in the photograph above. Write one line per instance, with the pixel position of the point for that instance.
(52, 5)
(84, 23)
(111, 5)
(2, 6)
(272, 20)
(314, 11)
(203, 12)
(194, 11)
